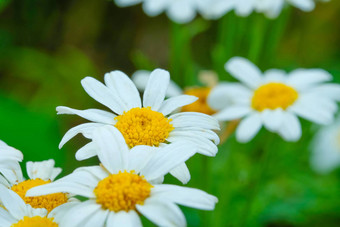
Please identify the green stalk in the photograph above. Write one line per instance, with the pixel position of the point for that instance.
(257, 181)
(258, 34)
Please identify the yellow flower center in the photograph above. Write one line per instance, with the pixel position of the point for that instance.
(49, 202)
(273, 96)
(201, 104)
(35, 221)
(122, 191)
(143, 126)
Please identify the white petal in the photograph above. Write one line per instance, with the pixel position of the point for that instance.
(141, 77)
(196, 132)
(181, 11)
(248, 128)
(59, 212)
(304, 5)
(306, 108)
(167, 158)
(225, 94)
(155, 89)
(80, 182)
(44, 170)
(6, 219)
(306, 78)
(126, 219)
(87, 151)
(162, 213)
(112, 149)
(185, 196)
(232, 113)
(95, 115)
(125, 3)
(155, 7)
(12, 202)
(245, 71)
(203, 145)
(193, 119)
(331, 91)
(97, 219)
(125, 89)
(290, 129)
(182, 173)
(103, 95)
(272, 119)
(86, 129)
(172, 104)
(275, 75)
(80, 214)
(139, 156)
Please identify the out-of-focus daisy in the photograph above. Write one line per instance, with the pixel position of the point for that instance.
(39, 173)
(275, 99)
(182, 11)
(326, 149)
(208, 78)
(150, 122)
(124, 186)
(271, 8)
(16, 213)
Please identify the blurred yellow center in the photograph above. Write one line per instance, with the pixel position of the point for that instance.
(201, 104)
(143, 126)
(122, 191)
(35, 221)
(273, 96)
(49, 202)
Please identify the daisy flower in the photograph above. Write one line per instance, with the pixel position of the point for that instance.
(182, 11)
(325, 148)
(39, 173)
(271, 8)
(275, 99)
(16, 213)
(124, 186)
(150, 122)
(208, 78)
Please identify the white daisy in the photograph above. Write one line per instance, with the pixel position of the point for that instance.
(275, 99)
(39, 173)
(182, 11)
(208, 78)
(124, 186)
(14, 212)
(325, 148)
(150, 122)
(271, 8)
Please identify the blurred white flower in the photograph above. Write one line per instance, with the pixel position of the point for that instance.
(325, 148)
(14, 212)
(39, 173)
(271, 8)
(151, 122)
(275, 99)
(125, 186)
(182, 11)
(9, 157)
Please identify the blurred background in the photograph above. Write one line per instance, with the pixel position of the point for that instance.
(47, 47)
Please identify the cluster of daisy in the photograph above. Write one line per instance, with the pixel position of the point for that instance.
(183, 11)
(137, 143)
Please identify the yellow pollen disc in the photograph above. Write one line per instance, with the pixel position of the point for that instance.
(49, 202)
(35, 221)
(122, 191)
(143, 126)
(201, 104)
(273, 96)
